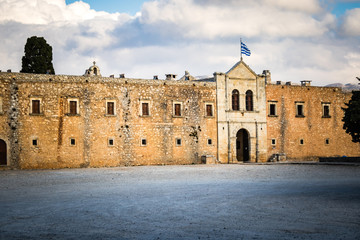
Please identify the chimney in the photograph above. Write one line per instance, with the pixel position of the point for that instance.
(278, 82)
(170, 76)
(288, 83)
(306, 83)
(9, 70)
(267, 75)
(122, 75)
(155, 77)
(112, 76)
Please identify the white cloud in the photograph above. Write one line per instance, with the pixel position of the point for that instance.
(307, 6)
(294, 41)
(45, 12)
(351, 23)
(189, 19)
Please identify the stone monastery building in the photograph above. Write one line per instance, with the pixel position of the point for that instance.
(53, 121)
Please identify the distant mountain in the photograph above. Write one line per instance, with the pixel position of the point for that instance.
(346, 87)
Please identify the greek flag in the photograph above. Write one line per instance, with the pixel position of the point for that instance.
(245, 50)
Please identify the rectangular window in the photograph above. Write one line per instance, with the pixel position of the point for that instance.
(145, 109)
(209, 141)
(326, 110)
(143, 142)
(73, 107)
(35, 106)
(178, 141)
(272, 109)
(273, 141)
(299, 109)
(301, 142)
(110, 142)
(327, 141)
(34, 142)
(72, 142)
(209, 110)
(110, 108)
(177, 109)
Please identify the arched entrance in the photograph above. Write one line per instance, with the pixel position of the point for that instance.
(242, 146)
(3, 152)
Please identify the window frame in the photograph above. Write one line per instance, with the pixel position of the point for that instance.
(323, 106)
(109, 143)
(206, 109)
(39, 99)
(235, 100)
(141, 109)
(175, 103)
(209, 142)
(273, 142)
(37, 142)
(297, 105)
(72, 139)
(69, 100)
(142, 143)
(107, 112)
(177, 143)
(249, 101)
(272, 103)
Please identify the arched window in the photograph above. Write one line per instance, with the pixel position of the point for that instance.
(249, 101)
(235, 100)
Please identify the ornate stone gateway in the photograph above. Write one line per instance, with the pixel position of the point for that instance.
(3, 152)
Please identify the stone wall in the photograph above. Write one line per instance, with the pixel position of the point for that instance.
(312, 135)
(56, 139)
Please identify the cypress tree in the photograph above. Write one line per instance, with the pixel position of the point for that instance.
(38, 56)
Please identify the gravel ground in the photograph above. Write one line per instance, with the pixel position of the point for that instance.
(182, 202)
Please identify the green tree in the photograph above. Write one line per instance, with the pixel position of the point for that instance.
(38, 56)
(351, 118)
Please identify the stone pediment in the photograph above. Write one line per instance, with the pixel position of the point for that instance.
(241, 71)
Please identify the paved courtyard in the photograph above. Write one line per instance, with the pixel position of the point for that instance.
(182, 202)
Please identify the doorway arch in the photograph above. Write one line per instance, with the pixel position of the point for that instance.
(3, 152)
(243, 145)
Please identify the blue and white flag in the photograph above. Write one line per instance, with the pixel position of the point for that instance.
(245, 50)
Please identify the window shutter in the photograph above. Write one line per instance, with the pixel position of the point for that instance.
(177, 109)
(110, 108)
(36, 106)
(73, 106)
(209, 110)
(145, 109)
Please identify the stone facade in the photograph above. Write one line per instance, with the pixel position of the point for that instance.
(101, 134)
(305, 122)
(241, 127)
(49, 121)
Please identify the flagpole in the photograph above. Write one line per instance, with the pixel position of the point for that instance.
(241, 58)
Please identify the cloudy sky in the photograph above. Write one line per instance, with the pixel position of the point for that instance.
(316, 40)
